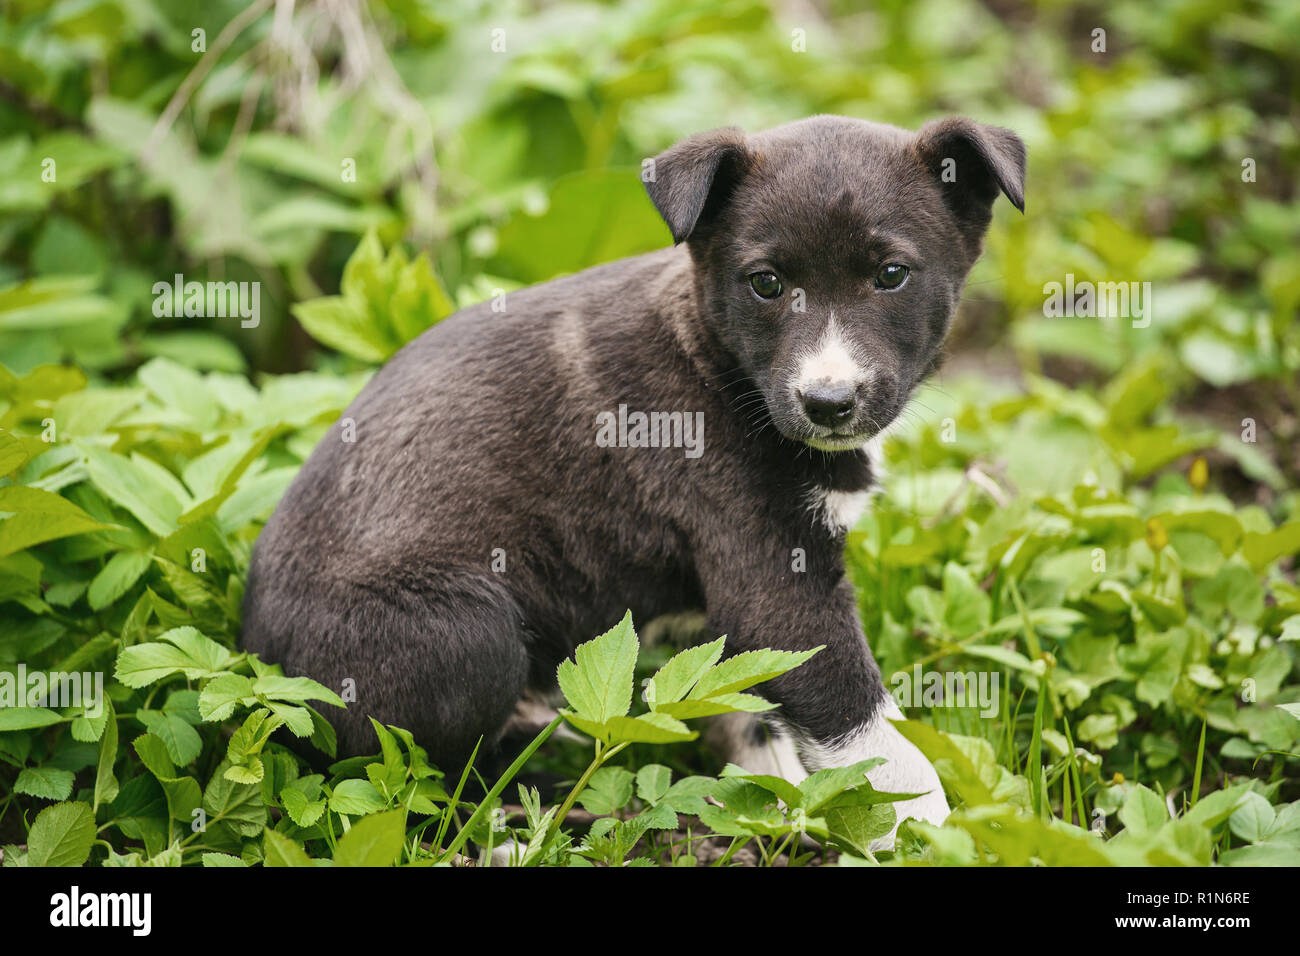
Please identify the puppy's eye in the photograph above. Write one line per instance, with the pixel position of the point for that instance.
(891, 276)
(766, 285)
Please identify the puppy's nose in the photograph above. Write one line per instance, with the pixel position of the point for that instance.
(831, 404)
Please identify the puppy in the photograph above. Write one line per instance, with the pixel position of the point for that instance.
(681, 431)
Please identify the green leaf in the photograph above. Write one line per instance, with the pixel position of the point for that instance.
(1143, 811)
(181, 740)
(137, 485)
(35, 516)
(675, 679)
(48, 783)
(714, 705)
(343, 324)
(302, 811)
(27, 718)
(652, 782)
(238, 804)
(61, 836)
(649, 728)
(747, 669)
(116, 577)
(1262, 550)
(106, 786)
(855, 823)
(279, 850)
(221, 694)
(294, 689)
(356, 798)
(608, 790)
(598, 681)
(181, 649)
(372, 841)
(822, 787)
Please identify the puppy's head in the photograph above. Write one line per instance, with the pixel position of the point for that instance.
(831, 253)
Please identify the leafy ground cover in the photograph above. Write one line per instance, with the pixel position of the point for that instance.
(1101, 514)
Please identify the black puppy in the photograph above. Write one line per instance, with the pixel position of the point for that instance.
(684, 430)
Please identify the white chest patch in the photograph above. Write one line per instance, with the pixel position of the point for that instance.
(842, 509)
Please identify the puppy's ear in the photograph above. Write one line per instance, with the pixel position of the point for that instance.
(689, 182)
(973, 163)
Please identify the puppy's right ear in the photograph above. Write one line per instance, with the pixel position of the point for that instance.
(689, 182)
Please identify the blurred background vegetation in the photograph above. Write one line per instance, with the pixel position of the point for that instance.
(509, 167)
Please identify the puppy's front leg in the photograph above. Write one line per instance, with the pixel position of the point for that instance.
(834, 706)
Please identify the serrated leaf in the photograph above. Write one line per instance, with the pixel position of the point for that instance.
(47, 783)
(652, 782)
(295, 689)
(747, 669)
(302, 811)
(106, 786)
(597, 682)
(181, 649)
(714, 705)
(608, 790)
(356, 798)
(675, 679)
(117, 577)
(222, 694)
(61, 836)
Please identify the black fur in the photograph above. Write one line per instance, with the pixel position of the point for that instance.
(480, 434)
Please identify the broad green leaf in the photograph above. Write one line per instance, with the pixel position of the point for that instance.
(61, 836)
(181, 740)
(1143, 811)
(608, 790)
(31, 516)
(302, 811)
(47, 783)
(372, 841)
(279, 850)
(652, 782)
(238, 804)
(27, 718)
(137, 487)
(356, 798)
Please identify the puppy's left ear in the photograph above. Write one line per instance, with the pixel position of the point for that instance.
(691, 181)
(973, 163)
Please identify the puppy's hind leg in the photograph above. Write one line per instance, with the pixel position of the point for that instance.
(446, 661)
